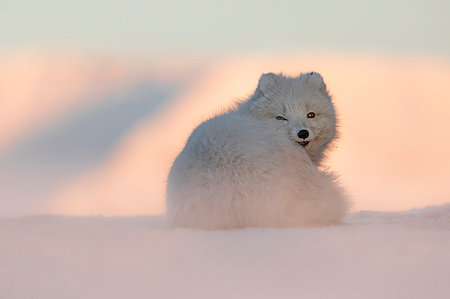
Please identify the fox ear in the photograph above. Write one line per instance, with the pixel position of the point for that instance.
(267, 82)
(315, 80)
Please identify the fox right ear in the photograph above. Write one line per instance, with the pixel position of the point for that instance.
(315, 79)
(267, 82)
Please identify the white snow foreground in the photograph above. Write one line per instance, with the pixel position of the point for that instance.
(373, 255)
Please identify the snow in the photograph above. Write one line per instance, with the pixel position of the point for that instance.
(373, 255)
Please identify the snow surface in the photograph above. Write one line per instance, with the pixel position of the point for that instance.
(373, 255)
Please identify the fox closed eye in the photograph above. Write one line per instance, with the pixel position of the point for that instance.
(280, 118)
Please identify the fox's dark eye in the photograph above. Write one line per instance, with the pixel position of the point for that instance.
(311, 115)
(280, 118)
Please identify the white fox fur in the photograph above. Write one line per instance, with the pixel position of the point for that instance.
(247, 168)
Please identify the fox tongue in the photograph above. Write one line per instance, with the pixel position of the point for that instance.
(303, 143)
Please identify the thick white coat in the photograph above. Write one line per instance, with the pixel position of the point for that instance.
(246, 168)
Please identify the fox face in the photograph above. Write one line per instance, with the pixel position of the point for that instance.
(300, 105)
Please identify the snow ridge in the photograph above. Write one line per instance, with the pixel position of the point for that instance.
(373, 255)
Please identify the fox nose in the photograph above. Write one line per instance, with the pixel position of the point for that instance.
(303, 134)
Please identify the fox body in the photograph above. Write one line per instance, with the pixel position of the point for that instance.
(257, 165)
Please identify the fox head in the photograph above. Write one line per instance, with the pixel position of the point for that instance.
(301, 105)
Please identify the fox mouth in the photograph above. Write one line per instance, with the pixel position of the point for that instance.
(303, 143)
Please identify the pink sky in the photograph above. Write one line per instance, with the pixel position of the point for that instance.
(392, 155)
(38, 87)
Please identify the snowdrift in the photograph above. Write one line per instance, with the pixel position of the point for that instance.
(373, 255)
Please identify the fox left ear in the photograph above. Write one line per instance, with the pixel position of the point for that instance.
(267, 82)
(315, 80)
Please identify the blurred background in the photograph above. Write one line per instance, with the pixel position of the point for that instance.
(98, 97)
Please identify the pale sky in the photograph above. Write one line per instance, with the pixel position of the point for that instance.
(223, 27)
(391, 54)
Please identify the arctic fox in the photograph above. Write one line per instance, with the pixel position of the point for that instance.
(257, 165)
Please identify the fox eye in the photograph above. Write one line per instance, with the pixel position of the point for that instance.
(311, 115)
(280, 118)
